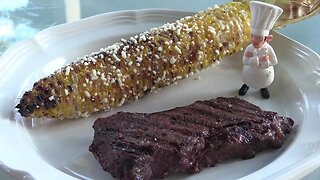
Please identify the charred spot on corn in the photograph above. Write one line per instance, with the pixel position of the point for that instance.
(140, 65)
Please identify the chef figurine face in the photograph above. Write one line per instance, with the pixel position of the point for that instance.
(258, 41)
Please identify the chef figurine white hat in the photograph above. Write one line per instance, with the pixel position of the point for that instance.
(263, 17)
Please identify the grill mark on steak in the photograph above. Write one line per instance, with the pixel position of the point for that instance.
(185, 139)
(204, 114)
(233, 108)
(150, 134)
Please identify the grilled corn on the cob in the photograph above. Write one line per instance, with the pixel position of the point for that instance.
(127, 70)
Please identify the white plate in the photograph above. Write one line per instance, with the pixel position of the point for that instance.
(59, 149)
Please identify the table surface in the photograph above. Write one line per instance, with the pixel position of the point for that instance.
(21, 19)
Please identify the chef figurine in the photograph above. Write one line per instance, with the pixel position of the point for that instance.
(259, 57)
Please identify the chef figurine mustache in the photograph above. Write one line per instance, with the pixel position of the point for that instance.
(259, 57)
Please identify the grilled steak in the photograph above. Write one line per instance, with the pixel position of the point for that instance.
(185, 139)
